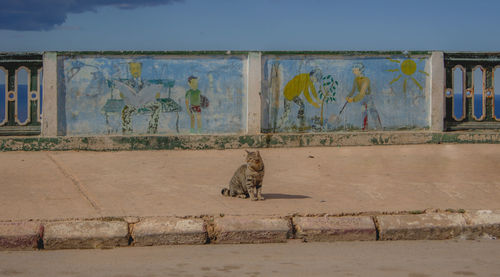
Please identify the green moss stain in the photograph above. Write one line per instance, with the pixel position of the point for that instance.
(348, 53)
(246, 140)
(150, 53)
(222, 142)
(141, 143)
(30, 144)
(417, 212)
(113, 143)
(273, 141)
(448, 138)
(166, 143)
(460, 211)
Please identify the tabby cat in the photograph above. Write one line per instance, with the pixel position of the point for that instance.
(247, 180)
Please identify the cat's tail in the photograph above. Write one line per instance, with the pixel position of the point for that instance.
(225, 191)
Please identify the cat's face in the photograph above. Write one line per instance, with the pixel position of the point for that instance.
(254, 160)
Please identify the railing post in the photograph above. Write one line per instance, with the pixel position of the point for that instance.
(254, 93)
(50, 101)
(437, 92)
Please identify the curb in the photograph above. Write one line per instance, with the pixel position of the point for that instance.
(20, 235)
(168, 231)
(347, 228)
(437, 226)
(152, 231)
(239, 229)
(85, 234)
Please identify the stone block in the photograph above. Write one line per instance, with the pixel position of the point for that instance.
(85, 234)
(335, 228)
(165, 231)
(420, 226)
(250, 229)
(20, 235)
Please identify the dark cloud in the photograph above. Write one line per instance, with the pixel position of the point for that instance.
(37, 15)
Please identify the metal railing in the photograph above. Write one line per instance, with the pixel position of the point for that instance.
(21, 94)
(472, 93)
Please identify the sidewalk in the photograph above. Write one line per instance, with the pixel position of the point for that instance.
(48, 186)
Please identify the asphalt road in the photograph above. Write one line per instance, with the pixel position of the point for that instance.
(399, 258)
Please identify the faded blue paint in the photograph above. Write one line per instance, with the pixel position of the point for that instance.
(97, 90)
(397, 108)
(22, 95)
(478, 93)
(458, 92)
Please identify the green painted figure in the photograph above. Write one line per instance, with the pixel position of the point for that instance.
(193, 103)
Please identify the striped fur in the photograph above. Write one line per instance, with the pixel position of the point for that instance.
(247, 180)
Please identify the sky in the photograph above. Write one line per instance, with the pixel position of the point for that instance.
(261, 25)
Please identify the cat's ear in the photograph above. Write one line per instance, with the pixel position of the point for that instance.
(258, 153)
(248, 152)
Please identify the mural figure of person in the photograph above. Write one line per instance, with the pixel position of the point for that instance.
(361, 84)
(193, 103)
(138, 98)
(302, 84)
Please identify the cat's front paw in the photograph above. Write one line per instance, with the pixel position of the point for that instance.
(260, 197)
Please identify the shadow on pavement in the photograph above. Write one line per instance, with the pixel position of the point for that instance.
(283, 196)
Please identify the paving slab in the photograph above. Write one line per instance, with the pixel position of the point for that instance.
(303, 181)
(335, 228)
(420, 226)
(85, 234)
(20, 235)
(250, 229)
(34, 187)
(168, 231)
(298, 180)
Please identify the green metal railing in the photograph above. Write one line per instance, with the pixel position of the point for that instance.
(21, 93)
(472, 99)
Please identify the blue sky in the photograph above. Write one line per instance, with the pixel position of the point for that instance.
(450, 25)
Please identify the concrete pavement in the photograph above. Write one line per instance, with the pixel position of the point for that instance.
(380, 258)
(336, 181)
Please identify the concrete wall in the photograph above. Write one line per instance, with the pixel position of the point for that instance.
(89, 94)
(309, 93)
(133, 95)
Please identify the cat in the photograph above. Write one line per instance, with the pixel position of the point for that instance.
(247, 180)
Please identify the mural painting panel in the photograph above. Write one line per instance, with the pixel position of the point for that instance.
(152, 95)
(315, 94)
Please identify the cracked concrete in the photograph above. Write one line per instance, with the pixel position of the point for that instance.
(74, 179)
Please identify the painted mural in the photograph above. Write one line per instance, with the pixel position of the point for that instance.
(315, 94)
(152, 95)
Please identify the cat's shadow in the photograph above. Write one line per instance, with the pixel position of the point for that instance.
(284, 196)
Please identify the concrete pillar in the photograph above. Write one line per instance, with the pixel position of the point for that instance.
(437, 92)
(254, 93)
(49, 116)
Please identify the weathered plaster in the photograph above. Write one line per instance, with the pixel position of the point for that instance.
(309, 93)
(254, 93)
(437, 91)
(206, 142)
(50, 99)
